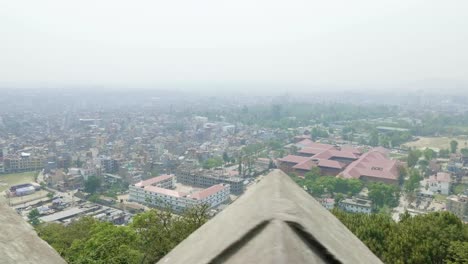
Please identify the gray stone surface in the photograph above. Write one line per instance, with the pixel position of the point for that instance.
(19, 242)
(273, 222)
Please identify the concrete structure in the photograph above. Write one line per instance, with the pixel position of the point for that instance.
(458, 205)
(157, 192)
(275, 221)
(19, 242)
(207, 178)
(440, 183)
(109, 165)
(22, 162)
(356, 205)
(23, 189)
(373, 166)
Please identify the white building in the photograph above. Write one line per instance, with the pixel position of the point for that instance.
(356, 205)
(328, 203)
(440, 183)
(159, 192)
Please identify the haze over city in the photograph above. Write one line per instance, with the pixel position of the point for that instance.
(235, 45)
(218, 131)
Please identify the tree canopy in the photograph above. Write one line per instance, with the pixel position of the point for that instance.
(92, 184)
(212, 163)
(453, 146)
(438, 237)
(148, 238)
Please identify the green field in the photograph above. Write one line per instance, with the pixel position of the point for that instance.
(437, 142)
(460, 188)
(440, 197)
(7, 180)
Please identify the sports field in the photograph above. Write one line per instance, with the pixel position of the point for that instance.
(7, 180)
(438, 142)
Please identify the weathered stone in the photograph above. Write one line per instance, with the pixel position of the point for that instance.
(273, 222)
(19, 242)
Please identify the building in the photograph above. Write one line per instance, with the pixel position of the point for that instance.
(356, 205)
(331, 160)
(22, 162)
(373, 166)
(159, 192)
(440, 183)
(23, 189)
(328, 203)
(109, 165)
(458, 205)
(207, 178)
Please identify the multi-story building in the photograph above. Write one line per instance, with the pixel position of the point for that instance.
(440, 183)
(159, 192)
(458, 205)
(206, 178)
(110, 165)
(22, 162)
(356, 205)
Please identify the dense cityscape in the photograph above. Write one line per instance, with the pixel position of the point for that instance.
(82, 160)
(215, 131)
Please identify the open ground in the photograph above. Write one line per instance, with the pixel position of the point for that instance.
(438, 142)
(7, 180)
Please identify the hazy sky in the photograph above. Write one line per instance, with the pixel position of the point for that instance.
(112, 43)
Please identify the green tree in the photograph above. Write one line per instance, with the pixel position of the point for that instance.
(423, 238)
(429, 154)
(464, 152)
(313, 174)
(160, 231)
(225, 157)
(50, 195)
(212, 163)
(92, 184)
(453, 146)
(413, 182)
(458, 252)
(402, 173)
(444, 153)
(413, 157)
(148, 238)
(107, 244)
(374, 138)
(61, 237)
(383, 194)
(33, 217)
(431, 238)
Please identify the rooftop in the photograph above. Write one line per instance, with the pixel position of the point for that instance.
(154, 180)
(208, 191)
(440, 177)
(374, 163)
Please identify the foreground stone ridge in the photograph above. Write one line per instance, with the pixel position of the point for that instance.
(273, 222)
(19, 242)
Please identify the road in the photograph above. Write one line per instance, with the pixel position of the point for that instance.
(401, 208)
